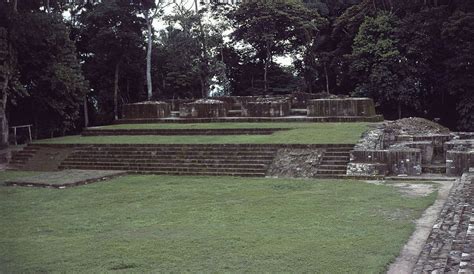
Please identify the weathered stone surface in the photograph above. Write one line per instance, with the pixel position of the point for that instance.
(294, 163)
(301, 99)
(449, 247)
(144, 110)
(341, 107)
(367, 169)
(393, 162)
(266, 108)
(458, 162)
(204, 108)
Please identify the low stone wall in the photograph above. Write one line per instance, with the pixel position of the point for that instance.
(265, 108)
(458, 162)
(176, 103)
(341, 107)
(385, 162)
(203, 109)
(146, 110)
(301, 99)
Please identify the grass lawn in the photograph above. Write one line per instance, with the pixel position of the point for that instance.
(207, 224)
(299, 133)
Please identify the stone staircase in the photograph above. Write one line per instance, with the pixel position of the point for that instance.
(222, 160)
(20, 158)
(334, 161)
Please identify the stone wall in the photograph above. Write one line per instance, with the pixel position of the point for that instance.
(145, 110)
(341, 107)
(458, 162)
(204, 108)
(385, 162)
(266, 108)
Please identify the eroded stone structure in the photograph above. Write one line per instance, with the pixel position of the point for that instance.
(266, 108)
(341, 107)
(204, 108)
(393, 150)
(146, 110)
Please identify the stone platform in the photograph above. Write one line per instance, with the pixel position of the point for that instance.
(375, 118)
(65, 178)
(167, 132)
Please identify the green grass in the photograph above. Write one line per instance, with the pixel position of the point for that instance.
(202, 224)
(300, 133)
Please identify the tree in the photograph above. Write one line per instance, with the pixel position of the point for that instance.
(378, 67)
(458, 35)
(112, 35)
(49, 72)
(274, 29)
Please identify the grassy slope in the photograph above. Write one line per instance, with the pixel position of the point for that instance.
(300, 133)
(146, 223)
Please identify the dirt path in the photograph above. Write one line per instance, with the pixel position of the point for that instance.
(409, 255)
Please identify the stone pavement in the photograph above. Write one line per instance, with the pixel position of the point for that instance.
(450, 246)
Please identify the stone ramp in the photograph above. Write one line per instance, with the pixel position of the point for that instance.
(39, 158)
(167, 132)
(65, 178)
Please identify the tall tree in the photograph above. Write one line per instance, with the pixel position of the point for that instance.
(112, 34)
(274, 28)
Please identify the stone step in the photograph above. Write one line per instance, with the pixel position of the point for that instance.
(166, 169)
(169, 155)
(336, 153)
(337, 157)
(182, 173)
(177, 149)
(334, 162)
(175, 155)
(328, 171)
(174, 160)
(169, 161)
(166, 165)
(332, 167)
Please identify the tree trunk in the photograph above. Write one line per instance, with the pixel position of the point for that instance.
(86, 113)
(116, 87)
(15, 6)
(265, 72)
(48, 9)
(204, 56)
(327, 78)
(149, 22)
(3, 115)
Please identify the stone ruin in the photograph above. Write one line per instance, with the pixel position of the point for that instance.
(321, 105)
(203, 108)
(411, 147)
(264, 107)
(341, 107)
(146, 110)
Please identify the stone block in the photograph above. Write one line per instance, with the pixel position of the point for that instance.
(347, 107)
(367, 169)
(393, 162)
(458, 162)
(145, 110)
(204, 108)
(266, 108)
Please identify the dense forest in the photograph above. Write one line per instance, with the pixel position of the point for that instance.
(60, 58)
